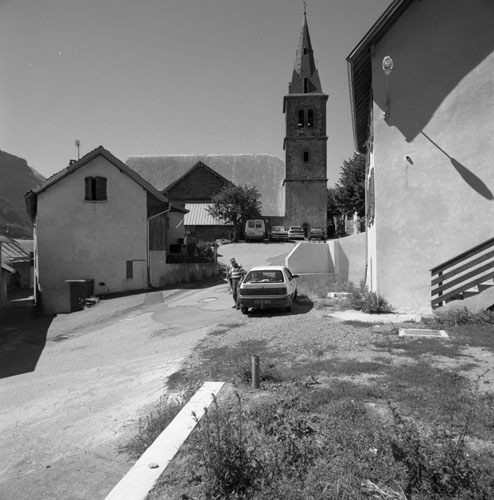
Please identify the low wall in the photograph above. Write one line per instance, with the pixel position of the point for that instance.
(183, 273)
(317, 281)
(349, 257)
(310, 258)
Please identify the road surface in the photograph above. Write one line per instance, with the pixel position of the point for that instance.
(73, 387)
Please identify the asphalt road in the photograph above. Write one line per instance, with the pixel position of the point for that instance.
(73, 387)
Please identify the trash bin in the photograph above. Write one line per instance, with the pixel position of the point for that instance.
(79, 291)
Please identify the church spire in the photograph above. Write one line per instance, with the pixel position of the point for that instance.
(305, 78)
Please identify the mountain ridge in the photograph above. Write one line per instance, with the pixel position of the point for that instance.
(16, 178)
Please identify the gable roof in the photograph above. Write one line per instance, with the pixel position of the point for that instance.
(100, 151)
(262, 171)
(359, 64)
(198, 165)
(31, 196)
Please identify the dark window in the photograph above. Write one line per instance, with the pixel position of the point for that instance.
(310, 118)
(301, 118)
(130, 270)
(306, 156)
(305, 50)
(95, 188)
(306, 85)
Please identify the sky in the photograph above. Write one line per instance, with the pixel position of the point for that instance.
(163, 77)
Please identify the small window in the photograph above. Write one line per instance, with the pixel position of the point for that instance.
(310, 118)
(305, 50)
(301, 118)
(130, 269)
(95, 189)
(306, 156)
(306, 85)
(251, 224)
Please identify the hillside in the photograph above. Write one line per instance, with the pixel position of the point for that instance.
(16, 177)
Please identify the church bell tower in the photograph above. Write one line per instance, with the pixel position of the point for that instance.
(305, 141)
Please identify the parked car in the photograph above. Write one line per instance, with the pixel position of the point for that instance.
(317, 233)
(268, 287)
(278, 233)
(255, 229)
(296, 233)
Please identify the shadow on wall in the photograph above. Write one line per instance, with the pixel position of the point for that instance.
(430, 51)
(468, 176)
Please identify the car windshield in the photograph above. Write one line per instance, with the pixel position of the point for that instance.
(264, 276)
(296, 228)
(278, 228)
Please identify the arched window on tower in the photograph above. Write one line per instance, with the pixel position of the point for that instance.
(306, 85)
(301, 118)
(310, 118)
(306, 156)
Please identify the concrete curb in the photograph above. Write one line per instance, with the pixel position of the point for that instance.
(140, 479)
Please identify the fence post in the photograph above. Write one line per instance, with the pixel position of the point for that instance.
(255, 372)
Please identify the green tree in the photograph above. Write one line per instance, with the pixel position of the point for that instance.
(349, 194)
(236, 204)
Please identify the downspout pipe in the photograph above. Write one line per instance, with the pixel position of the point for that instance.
(147, 241)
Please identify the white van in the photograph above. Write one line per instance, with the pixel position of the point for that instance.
(255, 229)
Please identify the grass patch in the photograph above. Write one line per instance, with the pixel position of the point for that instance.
(153, 425)
(327, 427)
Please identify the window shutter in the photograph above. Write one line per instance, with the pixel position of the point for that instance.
(89, 190)
(100, 188)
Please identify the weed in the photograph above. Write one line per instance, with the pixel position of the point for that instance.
(227, 455)
(465, 317)
(439, 466)
(153, 425)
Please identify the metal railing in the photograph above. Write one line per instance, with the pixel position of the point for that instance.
(458, 277)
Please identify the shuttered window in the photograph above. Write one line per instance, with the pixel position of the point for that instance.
(95, 189)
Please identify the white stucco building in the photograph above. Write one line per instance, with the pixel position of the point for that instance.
(99, 228)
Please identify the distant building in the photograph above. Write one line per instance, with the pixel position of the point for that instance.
(291, 193)
(422, 96)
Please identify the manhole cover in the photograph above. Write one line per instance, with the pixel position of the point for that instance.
(418, 332)
(209, 299)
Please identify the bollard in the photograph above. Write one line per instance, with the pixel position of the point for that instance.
(255, 372)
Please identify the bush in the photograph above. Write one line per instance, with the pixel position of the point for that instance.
(465, 317)
(369, 302)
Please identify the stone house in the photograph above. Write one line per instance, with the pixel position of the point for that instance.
(422, 101)
(99, 228)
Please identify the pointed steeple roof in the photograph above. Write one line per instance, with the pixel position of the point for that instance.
(305, 78)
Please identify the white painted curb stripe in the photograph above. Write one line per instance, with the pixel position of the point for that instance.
(140, 479)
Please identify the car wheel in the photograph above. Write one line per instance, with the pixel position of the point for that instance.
(289, 307)
(244, 309)
(295, 295)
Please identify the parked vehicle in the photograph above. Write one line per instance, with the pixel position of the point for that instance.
(317, 233)
(268, 287)
(296, 233)
(255, 229)
(278, 233)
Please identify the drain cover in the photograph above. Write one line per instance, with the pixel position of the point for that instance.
(419, 332)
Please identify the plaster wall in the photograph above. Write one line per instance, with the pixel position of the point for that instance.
(349, 257)
(78, 239)
(440, 99)
(310, 258)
